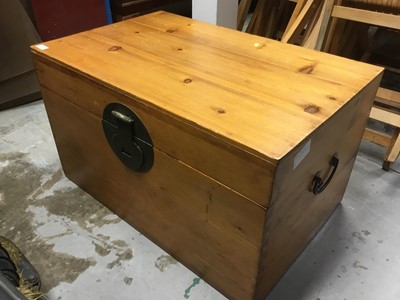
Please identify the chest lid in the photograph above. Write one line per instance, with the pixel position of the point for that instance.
(255, 93)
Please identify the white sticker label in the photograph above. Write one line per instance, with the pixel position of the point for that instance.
(42, 47)
(301, 154)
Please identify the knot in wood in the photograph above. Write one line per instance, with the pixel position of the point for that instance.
(307, 69)
(259, 46)
(311, 109)
(114, 48)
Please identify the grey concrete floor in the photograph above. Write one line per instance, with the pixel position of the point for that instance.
(84, 251)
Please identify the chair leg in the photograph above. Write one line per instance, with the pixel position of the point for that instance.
(386, 165)
(393, 150)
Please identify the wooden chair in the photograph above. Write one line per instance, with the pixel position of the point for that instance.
(387, 104)
(387, 115)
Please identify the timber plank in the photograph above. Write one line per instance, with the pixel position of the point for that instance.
(377, 137)
(366, 16)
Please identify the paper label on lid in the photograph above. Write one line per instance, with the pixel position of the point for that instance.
(301, 154)
(42, 47)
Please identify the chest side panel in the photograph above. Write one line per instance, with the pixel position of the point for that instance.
(212, 229)
(296, 214)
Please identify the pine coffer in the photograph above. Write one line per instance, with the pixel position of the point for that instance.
(227, 149)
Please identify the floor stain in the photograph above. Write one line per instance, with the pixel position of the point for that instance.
(100, 250)
(128, 280)
(18, 179)
(196, 281)
(103, 237)
(164, 261)
(78, 206)
(343, 268)
(357, 265)
(4, 130)
(48, 184)
(366, 232)
(120, 243)
(127, 255)
(358, 237)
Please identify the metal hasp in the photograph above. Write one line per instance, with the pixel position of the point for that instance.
(128, 137)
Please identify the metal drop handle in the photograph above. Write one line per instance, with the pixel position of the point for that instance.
(318, 184)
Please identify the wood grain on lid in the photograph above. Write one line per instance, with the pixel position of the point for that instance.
(258, 94)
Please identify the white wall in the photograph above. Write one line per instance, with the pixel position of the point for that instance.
(219, 12)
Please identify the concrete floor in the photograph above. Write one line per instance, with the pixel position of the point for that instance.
(84, 251)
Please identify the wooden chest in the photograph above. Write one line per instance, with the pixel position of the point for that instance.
(126, 9)
(228, 150)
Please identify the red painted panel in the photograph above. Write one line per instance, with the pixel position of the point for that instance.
(58, 18)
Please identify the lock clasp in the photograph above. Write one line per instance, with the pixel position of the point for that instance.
(128, 137)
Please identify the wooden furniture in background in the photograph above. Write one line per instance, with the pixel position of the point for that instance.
(241, 131)
(267, 18)
(18, 83)
(302, 23)
(126, 9)
(389, 114)
(58, 18)
(361, 16)
(386, 107)
(243, 12)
